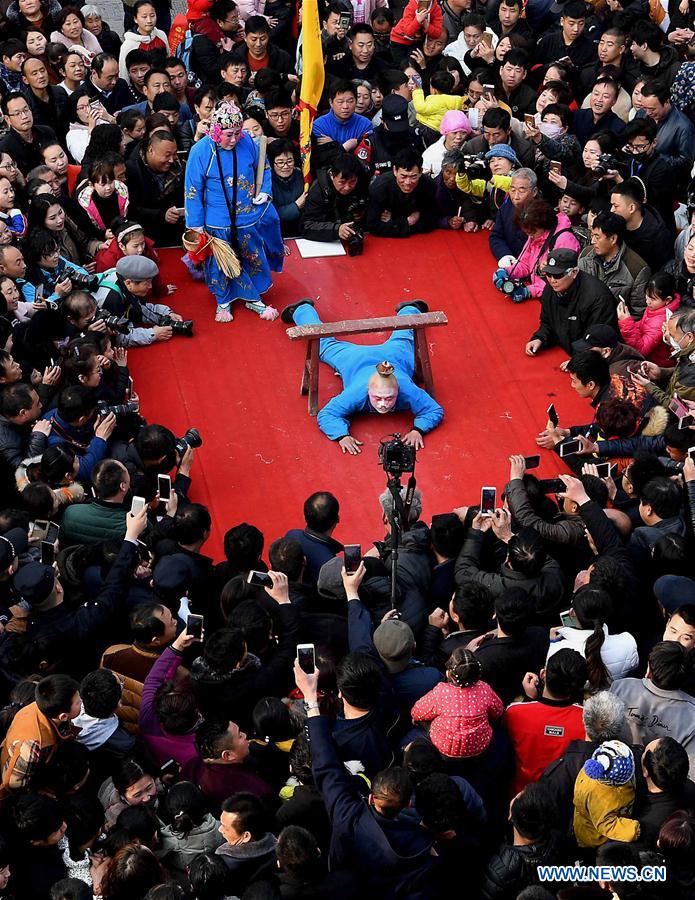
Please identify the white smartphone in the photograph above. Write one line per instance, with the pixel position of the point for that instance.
(488, 500)
(138, 504)
(164, 487)
(566, 619)
(306, 658)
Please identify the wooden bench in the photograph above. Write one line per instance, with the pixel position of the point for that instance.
(312, 334)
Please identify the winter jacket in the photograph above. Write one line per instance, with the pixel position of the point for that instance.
(460, 717)
(626, 275)
(132, 664)
(619, 651)
(152, 195)
(524, 149)
(17, 442)
(30, 742)
(654, 712)
(536, 250)
(90, 450)
(646, 335)
(89, 41)
(325, 209)
(108, 257)
(286, 192)
(250, 862)
(506, 238)
(159, 745)
(505, 660)
(430, 110)
(86, 200)
(601, 812)
(408, 31)
(675, 142)
(178, 850)
(134, 41)
(384, 194)
(92, 523)
(652, 240)
(566, 317)
(681, 379)
(393, 856)
(546, 589)
(512, 868)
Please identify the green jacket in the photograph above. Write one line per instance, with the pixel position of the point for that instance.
(681, 380)
(92, 523)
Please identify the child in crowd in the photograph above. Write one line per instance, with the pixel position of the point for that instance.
(460, 709)
(415, 24)
(646, 334)
(129, 240)
(103, 197)
(603, 794)
(430, 110)
(12, 217)
(144, 36)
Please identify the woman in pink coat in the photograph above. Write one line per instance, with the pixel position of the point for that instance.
(460, 708)
(646, 335)
(546, 230)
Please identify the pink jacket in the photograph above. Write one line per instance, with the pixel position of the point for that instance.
(645, 335)
(460, 717)
(525, 267)
(409, 31)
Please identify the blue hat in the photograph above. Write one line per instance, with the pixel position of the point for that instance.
(35, 582)
(674, 591)
(173, 572)
(505, 151)
(611, 763)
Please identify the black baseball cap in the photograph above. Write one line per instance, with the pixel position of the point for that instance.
(394, 112)
(597, 336)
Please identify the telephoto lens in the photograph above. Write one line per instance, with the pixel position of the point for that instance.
(191, 439)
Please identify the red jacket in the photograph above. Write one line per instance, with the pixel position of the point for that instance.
(109, 256)
(539, 732)
(408, 30)
(460, 717)
(645, 335)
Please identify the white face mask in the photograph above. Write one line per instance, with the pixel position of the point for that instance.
(550, 130)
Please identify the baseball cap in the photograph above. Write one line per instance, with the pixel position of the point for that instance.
(394, 112)
(674, 591)
(597, 336)
(173, 572)
(394, 642)
(13, 543)
(558, 262)
(34, 583)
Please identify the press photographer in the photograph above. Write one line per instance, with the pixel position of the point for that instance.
(336, 202)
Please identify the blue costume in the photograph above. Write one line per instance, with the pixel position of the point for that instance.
(356, 365)
(259, 242)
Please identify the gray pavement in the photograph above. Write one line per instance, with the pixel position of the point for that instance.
(113, 11)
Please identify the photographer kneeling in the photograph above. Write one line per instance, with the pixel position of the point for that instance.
(336, 202)
(125, 296)
(155, 451)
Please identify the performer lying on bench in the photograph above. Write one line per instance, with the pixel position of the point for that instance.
(371, 382)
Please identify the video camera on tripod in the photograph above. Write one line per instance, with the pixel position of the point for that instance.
(397, 458)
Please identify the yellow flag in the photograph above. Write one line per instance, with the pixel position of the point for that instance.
(312, 80)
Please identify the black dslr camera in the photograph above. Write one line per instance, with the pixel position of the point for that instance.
(191, 438)
(355, 243)
(185, 328)
(395, 456)
(606, 162)
(118, 409)
(115, 323)
(80, 280)
(474, 165)
(354, 213)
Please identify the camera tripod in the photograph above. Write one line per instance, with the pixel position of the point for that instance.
(398, 519)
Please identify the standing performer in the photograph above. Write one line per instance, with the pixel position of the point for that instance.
(371, 382)
(222, 202)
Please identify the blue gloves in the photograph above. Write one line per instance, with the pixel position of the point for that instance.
(499, 278)
(520, 294)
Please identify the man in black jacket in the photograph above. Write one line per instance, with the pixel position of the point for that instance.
(258, 53)
(645, 232)
(336, 201)
(206, 55)
(571, 302)
(642, 159)
(24, 140)
(569, 39)
(402, 202)
(155, 182)
(378, 149)
(60, 632)
(20, 433)
(469, 616)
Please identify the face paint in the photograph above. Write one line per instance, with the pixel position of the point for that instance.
(383, 399)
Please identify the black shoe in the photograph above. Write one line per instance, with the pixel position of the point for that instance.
(419, 304)
(288, 312)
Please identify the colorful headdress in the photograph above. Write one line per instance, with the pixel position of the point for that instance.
(225, 115)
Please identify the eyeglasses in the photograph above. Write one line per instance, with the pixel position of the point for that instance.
(20, 112)
(285, 114)
(284, 163)
(10, 165)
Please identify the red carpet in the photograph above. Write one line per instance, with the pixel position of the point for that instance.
(262, 454)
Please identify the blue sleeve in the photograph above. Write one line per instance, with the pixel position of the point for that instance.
(360, 629)
(343, 804)
(427, 412)
(498, 241)
(322, 128)
(333, 418)
(194, 191)
(267, 184)
(95, 452)
(629, 446)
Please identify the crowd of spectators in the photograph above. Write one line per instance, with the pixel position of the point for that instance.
(530, 700)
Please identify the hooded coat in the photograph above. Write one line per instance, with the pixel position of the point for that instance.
(646, 336)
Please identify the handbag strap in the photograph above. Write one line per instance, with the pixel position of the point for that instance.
(231, 206)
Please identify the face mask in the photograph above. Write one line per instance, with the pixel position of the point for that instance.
(550, 130)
